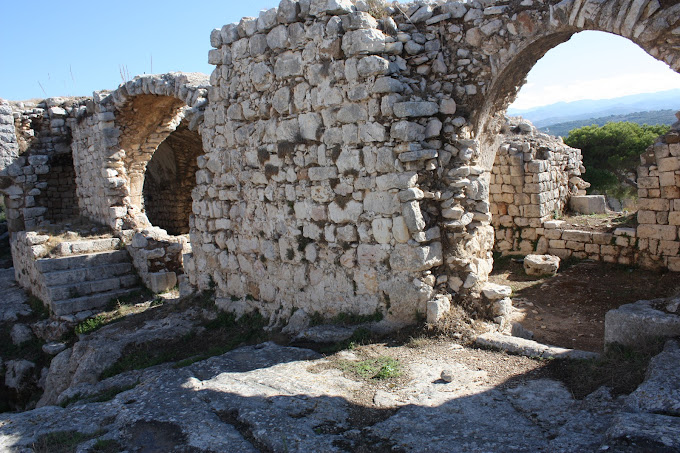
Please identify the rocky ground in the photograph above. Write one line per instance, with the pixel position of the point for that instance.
(407, 392)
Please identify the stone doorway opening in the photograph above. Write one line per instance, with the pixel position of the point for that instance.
(169, 179)
(534, 183)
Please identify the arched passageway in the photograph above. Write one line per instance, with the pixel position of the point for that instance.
(169, 179)
(161, 153)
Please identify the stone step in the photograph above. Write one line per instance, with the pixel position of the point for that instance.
(76, 290)
(46, 265)
(90, 302)
(87, 246)
(72, 276)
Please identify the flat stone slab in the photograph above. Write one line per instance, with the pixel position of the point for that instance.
(530, 348)
(653, 432)
(13, 299)
(275, 398)
(639, 323)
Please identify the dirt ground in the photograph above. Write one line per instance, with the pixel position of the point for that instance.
(568, 309)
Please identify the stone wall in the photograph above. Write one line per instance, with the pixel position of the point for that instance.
(324, 170)
(659, 202)
(38, 174)
(531, 181)
(349, 150)
(27, 248)
(157, 257)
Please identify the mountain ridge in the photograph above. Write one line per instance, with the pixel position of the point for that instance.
(563, 112)
(653, 117)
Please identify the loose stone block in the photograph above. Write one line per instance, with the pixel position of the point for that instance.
(541, 264)
(588, 204)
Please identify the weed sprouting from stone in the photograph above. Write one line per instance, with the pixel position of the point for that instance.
(90, 325)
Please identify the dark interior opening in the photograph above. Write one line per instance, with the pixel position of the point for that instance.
(169, 180)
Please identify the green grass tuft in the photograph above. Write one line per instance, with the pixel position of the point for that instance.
(377, 368)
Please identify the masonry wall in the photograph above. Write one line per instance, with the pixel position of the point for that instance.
(659, 202)
(533, 176)
(329, 183)
(39, 176)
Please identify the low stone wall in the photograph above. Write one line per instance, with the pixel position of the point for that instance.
(27, 249)
(157, 257)
(620, 246)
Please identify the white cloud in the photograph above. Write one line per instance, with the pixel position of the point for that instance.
(534, 95)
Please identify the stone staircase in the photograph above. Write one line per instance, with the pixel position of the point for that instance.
(88, 275)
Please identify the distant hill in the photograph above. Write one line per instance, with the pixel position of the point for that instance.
(563, 112)
(652, 118)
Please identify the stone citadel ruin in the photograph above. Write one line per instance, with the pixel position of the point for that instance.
(340, 158)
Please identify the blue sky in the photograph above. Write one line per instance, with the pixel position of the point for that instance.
(73, 47)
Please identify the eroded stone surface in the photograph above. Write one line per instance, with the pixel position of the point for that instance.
(281, 398)
(639, 323)
(13, 299)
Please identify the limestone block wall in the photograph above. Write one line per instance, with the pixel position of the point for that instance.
(620, 246)
(157, 257)
(37, 177)
(27, 248)
(533, 176)
(328, 166)
(659, 202)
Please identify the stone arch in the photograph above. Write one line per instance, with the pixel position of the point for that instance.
(650, 24)
(148, 111)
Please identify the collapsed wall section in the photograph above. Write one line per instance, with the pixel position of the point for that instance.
(38, 172)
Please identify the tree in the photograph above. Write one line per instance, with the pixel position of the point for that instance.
(611, 154)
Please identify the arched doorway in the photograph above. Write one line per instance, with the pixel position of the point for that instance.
(169, 179)
(161, 152)
(568, 311)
